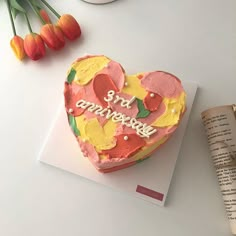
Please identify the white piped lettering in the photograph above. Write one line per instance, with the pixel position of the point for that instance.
(110, 96)
(142, 129)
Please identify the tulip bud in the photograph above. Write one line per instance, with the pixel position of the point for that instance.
(17, 45)
(52, 36)
(69, 26)
(44, 16)
(34, 46)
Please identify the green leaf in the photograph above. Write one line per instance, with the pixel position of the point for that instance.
(143, 112)
(14, 12)
(36, 3)
(73, 125)
(16, 5)
(71, 76)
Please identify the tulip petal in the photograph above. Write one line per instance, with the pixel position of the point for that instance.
(44, 15)
(69, 26)
(17, 45)
(34, 46)
(52, 36)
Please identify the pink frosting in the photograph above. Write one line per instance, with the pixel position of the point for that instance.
(161, 132)
(90, 94)
(88, 150)
(72, 94)
(101, 119)
(118, 163)
(110, 163)
(91, 97)
(154, 115)
(162, 83)
(131, 112)
(158, 82)
(115, 71)
(123, 129)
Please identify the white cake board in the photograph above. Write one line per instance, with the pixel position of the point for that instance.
(148, 180)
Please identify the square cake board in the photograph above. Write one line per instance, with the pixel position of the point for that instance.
(149, 180)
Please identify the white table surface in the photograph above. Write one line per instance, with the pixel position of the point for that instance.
(194, 39)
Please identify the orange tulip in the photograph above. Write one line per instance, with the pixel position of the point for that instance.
(44, 16)
(69, 26)
(52, 36)
(34, 46)
(17, 45)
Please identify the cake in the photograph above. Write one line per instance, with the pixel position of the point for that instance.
(118, 119)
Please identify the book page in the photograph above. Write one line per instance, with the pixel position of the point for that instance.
(220, 126)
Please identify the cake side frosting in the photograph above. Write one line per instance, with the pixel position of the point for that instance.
(120, 119)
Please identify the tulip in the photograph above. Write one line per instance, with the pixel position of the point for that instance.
(44, 15)
(52, 36)
(17, 45)
(69, 26)
(34, 46)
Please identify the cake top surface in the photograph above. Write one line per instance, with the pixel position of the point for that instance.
(114, 115)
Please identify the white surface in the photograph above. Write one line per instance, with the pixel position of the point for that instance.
(194, 40)
(61, 150)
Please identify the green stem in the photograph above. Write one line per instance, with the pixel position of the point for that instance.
(11, 18)
(36, 11)
(51, 9)
(28, 23)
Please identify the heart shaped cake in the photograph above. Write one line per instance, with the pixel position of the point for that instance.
(118, 119)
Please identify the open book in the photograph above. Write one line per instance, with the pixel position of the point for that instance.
(220, 126)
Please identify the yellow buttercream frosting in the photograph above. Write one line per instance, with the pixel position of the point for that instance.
(134, 87)
(81, 121)
(101, 137)
(174, 108)
(88, 67)
(147, 150)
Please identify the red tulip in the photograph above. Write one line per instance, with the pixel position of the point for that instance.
(52, 36)
(44, 16)
(69, 26)
(17, 45)
(34, 46)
